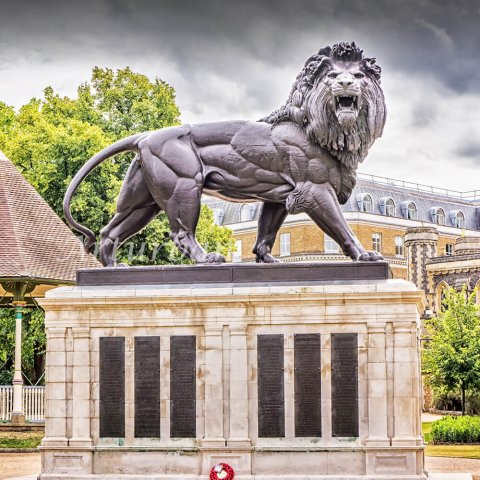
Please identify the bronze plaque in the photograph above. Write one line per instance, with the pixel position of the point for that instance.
(147, 386)
(271, 401)
(183, 386)
(112, 386)
(344, 385)
(308, 406)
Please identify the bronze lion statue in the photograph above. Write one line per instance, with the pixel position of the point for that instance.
(301, 158)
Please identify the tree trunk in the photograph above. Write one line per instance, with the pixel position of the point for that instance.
(463, 398)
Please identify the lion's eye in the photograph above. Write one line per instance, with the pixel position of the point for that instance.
(333, 75)
(359, 75)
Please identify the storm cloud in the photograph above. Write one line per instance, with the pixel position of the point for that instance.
(238, 59)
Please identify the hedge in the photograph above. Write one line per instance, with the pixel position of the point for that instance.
(456, 430)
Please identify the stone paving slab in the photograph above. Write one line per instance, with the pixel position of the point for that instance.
(450, 476)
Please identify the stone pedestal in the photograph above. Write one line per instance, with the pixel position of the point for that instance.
(381, 318)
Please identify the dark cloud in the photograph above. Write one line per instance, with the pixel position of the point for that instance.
(439, 37)
(469, 148)
(239, 58)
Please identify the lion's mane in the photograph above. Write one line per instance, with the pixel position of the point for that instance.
(349, 145)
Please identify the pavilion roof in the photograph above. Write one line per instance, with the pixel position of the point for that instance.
(34, 242)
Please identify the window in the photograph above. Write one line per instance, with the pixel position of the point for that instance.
(284, 244)
(247, 212)
(399, 248)
(458, 219)
(331, 246)
(449, 249)
(377, 242)
(218, 215)
(387, 206)
(237, 255)
(438, 215)
(412, 213)
(365, 203)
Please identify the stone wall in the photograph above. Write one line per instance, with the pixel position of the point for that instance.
(226, 322)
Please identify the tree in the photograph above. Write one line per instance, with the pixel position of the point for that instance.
(451, 358)
(49, 139)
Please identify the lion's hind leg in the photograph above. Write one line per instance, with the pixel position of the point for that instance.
(271, 218)
(136, 208)
(183, 211)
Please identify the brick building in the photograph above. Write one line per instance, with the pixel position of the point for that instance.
(379, 211)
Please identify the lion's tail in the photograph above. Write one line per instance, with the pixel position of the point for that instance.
(127, 144)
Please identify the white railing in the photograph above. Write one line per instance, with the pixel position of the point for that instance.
(472, 195)
(6, 402)
(33, 403)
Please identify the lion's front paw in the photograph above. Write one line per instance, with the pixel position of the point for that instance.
(213, 257)
(370, 257)
(266, 258)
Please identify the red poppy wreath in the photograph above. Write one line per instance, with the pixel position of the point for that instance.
(222, 471)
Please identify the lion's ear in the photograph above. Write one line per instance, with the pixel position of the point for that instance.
(369, 66)
(325, 51)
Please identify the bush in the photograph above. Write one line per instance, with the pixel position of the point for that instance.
(456, 430)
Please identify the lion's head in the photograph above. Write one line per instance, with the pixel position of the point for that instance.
(338, 100)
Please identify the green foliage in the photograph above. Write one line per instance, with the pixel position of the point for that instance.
(50, 138)
(20, 439)
(33, 345)
(451, 359)
(463, 429)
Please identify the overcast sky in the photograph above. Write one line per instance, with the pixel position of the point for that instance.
(238, 59)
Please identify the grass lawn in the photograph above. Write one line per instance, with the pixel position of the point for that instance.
(459, 451)
(20, 439)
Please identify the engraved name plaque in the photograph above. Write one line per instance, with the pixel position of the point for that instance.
(271, 402)
(147, 386)
(112, 386)
(183, 386)
(308, 407)
(344, 385)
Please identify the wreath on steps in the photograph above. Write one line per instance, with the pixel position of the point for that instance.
(222, 471)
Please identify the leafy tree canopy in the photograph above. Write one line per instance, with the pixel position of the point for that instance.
(49, 139)
(451, 357)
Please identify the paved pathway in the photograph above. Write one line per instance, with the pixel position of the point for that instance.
(26, 464)
(19, 464)
(458, 465)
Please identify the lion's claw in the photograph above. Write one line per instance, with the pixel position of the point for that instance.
(213, 257)
(266, 258)
(370, 257)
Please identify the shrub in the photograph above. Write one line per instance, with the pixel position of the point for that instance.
(456, 430)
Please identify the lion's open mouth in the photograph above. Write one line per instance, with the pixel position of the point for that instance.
(346, 102)
(346, 109)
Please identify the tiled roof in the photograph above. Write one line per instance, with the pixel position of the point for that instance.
(34, 242)
(425, 201)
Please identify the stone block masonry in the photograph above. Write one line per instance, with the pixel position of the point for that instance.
(231, 374)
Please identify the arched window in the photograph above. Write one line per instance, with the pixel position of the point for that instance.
(390, 208)
(247, 212)
(218, 215)
(387, 206)
(365, 203)
(438, 215)
(458, 219)
(409, 210)
(440, 294)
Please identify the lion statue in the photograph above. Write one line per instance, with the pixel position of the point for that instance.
(301, 158)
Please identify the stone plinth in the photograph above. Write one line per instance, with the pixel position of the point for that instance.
(227, 321)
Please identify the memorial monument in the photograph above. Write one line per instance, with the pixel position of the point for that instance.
(245, 371)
